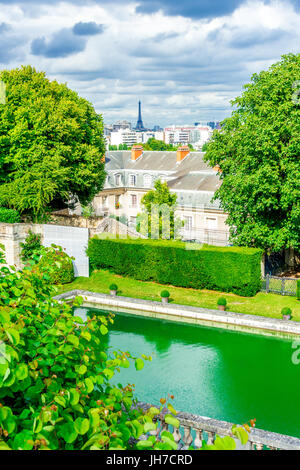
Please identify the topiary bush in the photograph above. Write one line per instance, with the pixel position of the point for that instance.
(226, 269)
(222, 301)
(59, 265)
(113, 287)
(165, 294)
(9, 216)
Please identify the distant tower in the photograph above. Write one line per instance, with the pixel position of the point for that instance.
(139, 124)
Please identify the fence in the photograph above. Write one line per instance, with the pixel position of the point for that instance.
(279, 285)
(208, 236)
(193, 429)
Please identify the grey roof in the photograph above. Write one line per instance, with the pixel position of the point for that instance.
(155, 161)
(192, 179)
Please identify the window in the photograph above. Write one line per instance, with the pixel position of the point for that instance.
(188, 222)
(133, 200)
(147, 181)
(104, 201)
(132, 221)
(132, 180)
(211, 223)
(117, 180)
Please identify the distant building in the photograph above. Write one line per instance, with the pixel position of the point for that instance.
(131, 174)
(124, 136)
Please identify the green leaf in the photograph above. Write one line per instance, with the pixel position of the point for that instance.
(144, 444)
(74, 396)
(169, 419)
(241, 434)
(68, 432)
(103, 330)
(149, 427)
(139, 364)
(82, 425)
(224, 443)
(21, 371)
(13, 336)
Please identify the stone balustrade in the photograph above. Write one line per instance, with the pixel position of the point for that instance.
(193, 429)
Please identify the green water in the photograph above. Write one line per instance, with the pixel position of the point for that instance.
(212, 372)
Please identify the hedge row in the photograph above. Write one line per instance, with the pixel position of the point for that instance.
(9, 216)
(298, 289)
(227, 269)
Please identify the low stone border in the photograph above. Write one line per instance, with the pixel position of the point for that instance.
(176, 312)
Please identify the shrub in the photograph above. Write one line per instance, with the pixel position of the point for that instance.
(298, 289)
(286, 311)
(226, 269)
(9, 216)
(55, 377)
(222, 301)
(113, 287)
(59, 265)
(31, 247)
(165, 293)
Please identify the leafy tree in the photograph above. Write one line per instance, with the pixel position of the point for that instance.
(158, 218)
(258, 151)
(51, 144)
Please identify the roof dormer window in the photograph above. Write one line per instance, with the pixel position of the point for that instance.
(117, 179)
(147, 181)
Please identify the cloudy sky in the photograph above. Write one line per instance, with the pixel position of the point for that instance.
(185, 60)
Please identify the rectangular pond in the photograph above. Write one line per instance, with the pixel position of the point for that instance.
(227, 375)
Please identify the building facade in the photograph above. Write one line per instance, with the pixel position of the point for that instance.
(131, 174)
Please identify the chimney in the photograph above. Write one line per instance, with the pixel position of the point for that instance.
(217, 169)
(182, 152)
(136, 152)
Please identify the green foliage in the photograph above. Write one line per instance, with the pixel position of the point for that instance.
(55, 376)
(286, 311)
(9, 216)
(258, 152)
(222, 301)
(59, 265)
(158, 219)
(227, 269)
(165, 293)
(113, 287)
(51, 143)
(31, 247)
(298, 289)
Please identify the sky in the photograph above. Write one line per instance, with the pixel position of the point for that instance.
(184, 60)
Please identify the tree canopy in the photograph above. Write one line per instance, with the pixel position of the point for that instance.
(258, 151)
(158, 219)
(51, 144)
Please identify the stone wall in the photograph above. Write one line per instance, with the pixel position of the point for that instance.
(73, 220)
(113, 226)
(11, 235)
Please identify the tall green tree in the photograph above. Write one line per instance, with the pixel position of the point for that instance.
(258, 151)
(51, 144)
(158, 218)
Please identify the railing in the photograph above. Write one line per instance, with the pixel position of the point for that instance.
(279, 285)
(193, 429)
(209, 236)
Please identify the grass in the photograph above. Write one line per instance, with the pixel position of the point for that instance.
(268, 305)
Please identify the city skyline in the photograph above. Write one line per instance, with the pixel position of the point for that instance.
(185, 62)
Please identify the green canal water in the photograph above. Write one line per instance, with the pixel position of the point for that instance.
(212, 372)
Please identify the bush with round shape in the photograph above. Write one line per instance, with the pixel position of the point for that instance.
(60, 264)
(222, 301)
(113, 287)
(31, 247)
(165, 294)
(286, 312)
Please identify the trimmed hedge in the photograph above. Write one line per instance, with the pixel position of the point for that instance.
(9, 216)
(298, 289)
(227, 269)
(62, 269)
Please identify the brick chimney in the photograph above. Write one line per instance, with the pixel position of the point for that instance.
(182, 152)
(217, 169)
(136, 152)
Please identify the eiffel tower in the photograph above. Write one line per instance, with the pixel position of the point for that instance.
(139, 124)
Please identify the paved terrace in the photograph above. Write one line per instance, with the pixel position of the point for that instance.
(175, 312)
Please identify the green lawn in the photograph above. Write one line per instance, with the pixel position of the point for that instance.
(268, 305)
